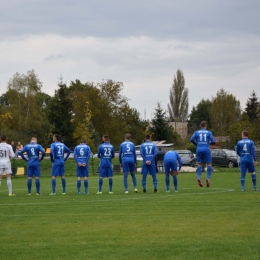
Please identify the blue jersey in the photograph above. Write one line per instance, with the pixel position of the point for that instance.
(148, 151)
(106, 153)
(82, 153)
(202, 138)
(58, 150)
(33, 151)
(127, 152)
(246, 150)
(173, 156)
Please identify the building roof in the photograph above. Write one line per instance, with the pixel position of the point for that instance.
(159, 144)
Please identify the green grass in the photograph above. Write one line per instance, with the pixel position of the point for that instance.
(219, 222)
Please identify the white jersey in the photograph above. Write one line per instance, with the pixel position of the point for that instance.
(6, 151)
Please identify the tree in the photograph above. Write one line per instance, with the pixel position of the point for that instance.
(107, 105)
(200, 113)
(244, 123)
(160, 128)
(84, 131)
(179, 99)
(133, 124)
(21, 103)
(60, 113)
(225, 111)
(253, 107)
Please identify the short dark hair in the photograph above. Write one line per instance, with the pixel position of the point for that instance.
(128, 136)
(106, 137)
(147, 137)
(83, 141)
(245, 133)
(3, 138)
(57, 137)
(203, 124)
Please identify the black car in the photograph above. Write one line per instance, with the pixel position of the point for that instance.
(224, 157)
(188, 159)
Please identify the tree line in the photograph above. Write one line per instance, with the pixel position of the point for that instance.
(88, 110)
(78, 111)
(225, 117)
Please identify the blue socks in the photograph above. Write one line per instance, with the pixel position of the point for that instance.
(37, 184)
(175, 183)
(254, 180)
(167, 181)
(154, 181)
(63, 180)
(110, 184)
(209, 171)
(199, 170)
(100, 183)
(134, 179)
(53, 185)
(144, 181)
(125, 181)
(78, 185)
(29, 185)
(86, 186)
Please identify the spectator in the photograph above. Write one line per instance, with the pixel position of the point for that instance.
(18, 149)
(13, 146)
(159, 159)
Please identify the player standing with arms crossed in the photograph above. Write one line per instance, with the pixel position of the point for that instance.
(170, 167)
(106, 153)
(33, 168)
(81, 155)
(148, 151)
(127, 158)
(202, 139)
(246, 151)
(58, 149)
(6, 151)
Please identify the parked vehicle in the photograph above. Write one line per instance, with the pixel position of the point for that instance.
(188, 159)
(138, 156)
(224, 157)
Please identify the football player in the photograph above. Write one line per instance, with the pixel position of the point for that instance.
(202, 139)
(170, 167)
(58, 149)
(127, 158)
(106, 153)
(148, 151)
(33, 168)
(6, 152)
(246, 151)
(81, 155)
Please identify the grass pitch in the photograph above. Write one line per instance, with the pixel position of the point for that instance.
(220, 222)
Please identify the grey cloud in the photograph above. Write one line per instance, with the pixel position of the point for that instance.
(54, 57)
(201, 19)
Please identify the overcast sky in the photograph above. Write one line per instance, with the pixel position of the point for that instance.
(216, 44)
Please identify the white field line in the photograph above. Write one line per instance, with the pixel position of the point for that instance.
(216, 190)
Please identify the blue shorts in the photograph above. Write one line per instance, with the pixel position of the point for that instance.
(148, 168)
(128, 166)
(105, 171)
(247, 167)
(170, 166)
(58, 170)
(203, 155)
(33, 171)
(82, 171)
